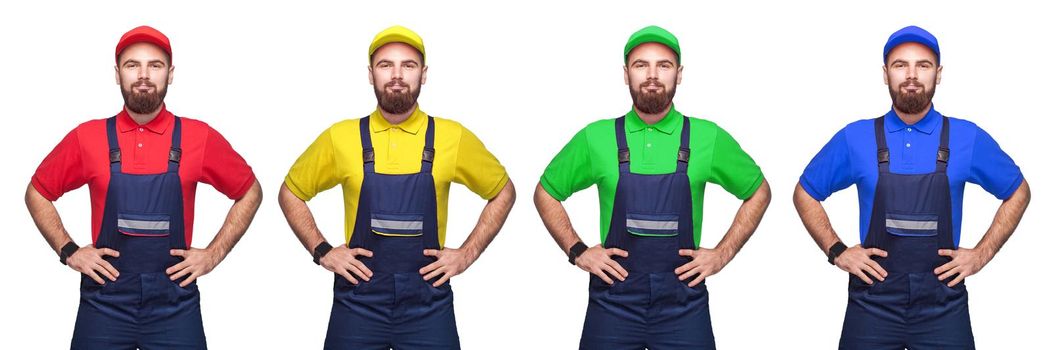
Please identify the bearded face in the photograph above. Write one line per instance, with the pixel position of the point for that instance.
(143, 72)
(652, 73)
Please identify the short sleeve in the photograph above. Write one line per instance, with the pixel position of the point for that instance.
(62, 170)
(830, 170)
(570, 170)
(992, 168)
(224, 168)
(477, 168)
(732, 168)
(315, 170)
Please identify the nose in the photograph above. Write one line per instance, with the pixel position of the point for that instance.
(396, 72)
(910, 73)
(651, 73)
(143, 73)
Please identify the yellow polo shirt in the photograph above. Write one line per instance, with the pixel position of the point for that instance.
(335, 159)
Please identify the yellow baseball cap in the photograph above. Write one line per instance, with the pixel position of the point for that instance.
(397, 34)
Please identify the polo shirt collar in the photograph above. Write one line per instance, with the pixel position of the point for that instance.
(927, 125)
(412, 125)
(158, 125)
(671, 122)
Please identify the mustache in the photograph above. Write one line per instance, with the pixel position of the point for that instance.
(912, 83)
(649, 83)
(397, 83)
(142, 83)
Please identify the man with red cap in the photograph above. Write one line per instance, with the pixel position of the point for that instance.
(138, 277)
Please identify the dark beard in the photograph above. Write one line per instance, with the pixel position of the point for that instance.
(911, 102)
(143, 103)
(396, 103)
(652, 102)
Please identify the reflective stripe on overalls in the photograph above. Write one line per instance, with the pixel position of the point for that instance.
(143, 220)
(397, 219)
(652, 220)
(911, 220)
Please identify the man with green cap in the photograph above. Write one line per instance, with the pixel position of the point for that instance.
(651, 166)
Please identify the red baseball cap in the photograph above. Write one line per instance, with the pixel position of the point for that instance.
(144, 34)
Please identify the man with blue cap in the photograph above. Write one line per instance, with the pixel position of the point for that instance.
(910, 166)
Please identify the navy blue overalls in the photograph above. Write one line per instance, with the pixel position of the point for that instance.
(911, 220)
(397, 219)
(143, 220)
(652, 219)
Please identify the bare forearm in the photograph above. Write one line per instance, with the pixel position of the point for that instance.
(237, 221)
(815, 219)
(47, 220)
(555, 218)
(1005, 222)
(746, 221)
(490, 221)
(300, 219)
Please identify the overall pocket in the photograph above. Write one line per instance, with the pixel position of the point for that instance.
(912, 224)
(397, 225)
(653, 225)
(144, 225)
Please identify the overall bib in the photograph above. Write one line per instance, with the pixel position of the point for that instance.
(652, 220)
(397, 219)
(143, 220)
(911, 221)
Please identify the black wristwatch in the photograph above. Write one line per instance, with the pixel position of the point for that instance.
(67, 251)
(835, 251)
(320, 251)
(575, 251)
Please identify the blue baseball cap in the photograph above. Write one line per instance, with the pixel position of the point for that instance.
(912, 34)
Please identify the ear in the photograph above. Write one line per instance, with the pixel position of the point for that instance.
(678, 77)
(423, 76)
(171, 74)
(626, 82)
(886, 77)
(372, 81)
(116, 74)
(938, 78)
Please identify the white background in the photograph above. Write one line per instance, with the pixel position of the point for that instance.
(782, 78)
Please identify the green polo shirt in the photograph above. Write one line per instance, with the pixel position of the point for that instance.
(590, 158)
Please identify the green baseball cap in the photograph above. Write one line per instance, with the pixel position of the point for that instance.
(653, 34)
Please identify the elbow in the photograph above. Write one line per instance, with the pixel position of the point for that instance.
(540, 196)
(764, 194)
(256, 193)
(800, 197)
(508, 195)
(1023, 193)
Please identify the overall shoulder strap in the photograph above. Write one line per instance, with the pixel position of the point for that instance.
(368, 156)
(623, 154)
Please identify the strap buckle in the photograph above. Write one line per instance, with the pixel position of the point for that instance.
(943, 155)
(684, 155)
(883, 155)
(114, 156)
(368, 156)
(175, 155)
(623, 156)
(428, 155)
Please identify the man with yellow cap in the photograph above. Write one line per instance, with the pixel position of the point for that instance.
(651, 166)
(395, 166)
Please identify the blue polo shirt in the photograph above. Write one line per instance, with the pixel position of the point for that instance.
(850, 159)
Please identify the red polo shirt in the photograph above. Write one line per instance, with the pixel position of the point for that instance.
(82, 157)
